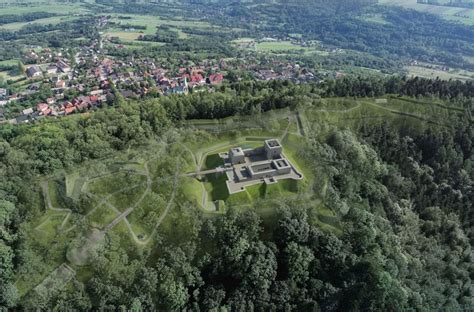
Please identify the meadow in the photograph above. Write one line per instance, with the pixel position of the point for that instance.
(151, 23)
(455, 14)
(42, 21)
(41, 6)
(424, 72)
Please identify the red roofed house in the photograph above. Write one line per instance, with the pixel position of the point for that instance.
(69, 110)
(94, 99)
(197, 78)
(216, 79)
(42, 107)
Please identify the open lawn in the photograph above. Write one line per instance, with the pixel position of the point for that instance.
(279, 46)
(124, 35)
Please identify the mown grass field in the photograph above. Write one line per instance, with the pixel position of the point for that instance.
(279, 46)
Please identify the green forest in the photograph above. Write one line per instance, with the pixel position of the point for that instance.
(400, 186)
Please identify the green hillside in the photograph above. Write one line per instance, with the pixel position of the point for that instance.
(367, 208)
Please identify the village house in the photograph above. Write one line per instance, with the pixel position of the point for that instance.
(266, 74)
(33, 71)
(27, 111)
(43, 109)
(51, 70)
(32, 56)
(63, 66)
(67, 108)
(60, 84)
(13, 97)
(215, 79)
(97, 92)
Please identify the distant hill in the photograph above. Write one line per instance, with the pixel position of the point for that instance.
(306, 3)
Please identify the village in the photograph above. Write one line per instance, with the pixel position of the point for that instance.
(83, 79)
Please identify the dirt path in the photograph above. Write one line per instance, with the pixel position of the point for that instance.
(285, 133)
(162, 217)
(130, 209)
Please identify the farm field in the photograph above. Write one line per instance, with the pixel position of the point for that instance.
(424, 72)
(151, 23)
(42, 21)
(41, 6)
(461, 15)
(278, 46)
